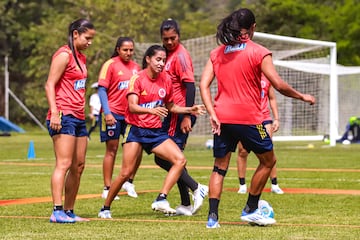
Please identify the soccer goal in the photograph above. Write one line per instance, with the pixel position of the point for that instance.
(309, 66)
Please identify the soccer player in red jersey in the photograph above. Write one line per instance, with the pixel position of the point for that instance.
(150, 99)
(267, 96)
(65, 92)
(180, 70)
(113, 82)
(237, 65)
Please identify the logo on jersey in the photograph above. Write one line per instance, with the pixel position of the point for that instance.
(162, 92)
(234, 48)
(123, 85)
(79, 84)
(153, 104)
(134, 71)
(167, 66)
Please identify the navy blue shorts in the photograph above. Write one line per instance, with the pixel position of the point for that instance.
(149, 138)
(114, 131)
(70, 125)
(179, 137)
(253, 138)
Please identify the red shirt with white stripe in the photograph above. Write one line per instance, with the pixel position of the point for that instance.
(115, 75)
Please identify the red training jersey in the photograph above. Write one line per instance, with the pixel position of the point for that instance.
(115, 75)
(151, 93)
(180, 69)
(238, 72)
(70, 89)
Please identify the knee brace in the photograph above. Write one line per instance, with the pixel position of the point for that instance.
(220, 171)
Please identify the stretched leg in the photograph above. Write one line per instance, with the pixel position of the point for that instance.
(170, 152)
(128, 185)
(72, 182)
(131, 151)
(109, 160)
(266, 162)
(215, 188)
(184, 183)
(64, 146)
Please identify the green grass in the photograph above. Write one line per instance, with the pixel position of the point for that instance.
(299, 216)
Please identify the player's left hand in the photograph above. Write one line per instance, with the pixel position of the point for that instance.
(185, 125)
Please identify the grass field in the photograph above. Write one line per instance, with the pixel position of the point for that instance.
(321, 200)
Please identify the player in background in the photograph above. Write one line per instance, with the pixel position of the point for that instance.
(113, 82)
(65, 92)
(271, 126)
(180, 70)
(236, 114)
(150, 98)
(95, 106)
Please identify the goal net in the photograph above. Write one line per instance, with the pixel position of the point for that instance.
(307, 65)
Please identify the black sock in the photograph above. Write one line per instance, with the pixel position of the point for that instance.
(274, 181)
(58, 207)
(213, 208)
(242, 181)
(161, 196)
(106, 187)
(130, 180)
(252, 203)
(105, 208)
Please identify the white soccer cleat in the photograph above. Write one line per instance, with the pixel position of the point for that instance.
(242, 189)
(104, 214)
(130, 189)
(184, 210)
(257, 218)
(199, 194)
(163, 206)
(276, 189)
(105, 194)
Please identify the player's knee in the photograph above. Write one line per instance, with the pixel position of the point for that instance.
(219, 171)
(181, 162)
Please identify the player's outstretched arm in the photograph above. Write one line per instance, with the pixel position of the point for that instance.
(268, 68)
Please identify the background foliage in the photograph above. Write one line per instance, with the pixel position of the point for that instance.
(30, 32)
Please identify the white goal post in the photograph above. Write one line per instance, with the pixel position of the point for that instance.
(310, 66)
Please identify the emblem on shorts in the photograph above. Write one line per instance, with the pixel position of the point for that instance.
(110, 133)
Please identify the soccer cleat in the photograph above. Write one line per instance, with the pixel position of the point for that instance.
(76, 218)
(105, 194)
(199, 194)
(59, 216)
(130, 189)
(276, 189)
(184, 210)
(212, 223)
(163, 206)
(242, 189)
(104, 214)
(257, 218)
